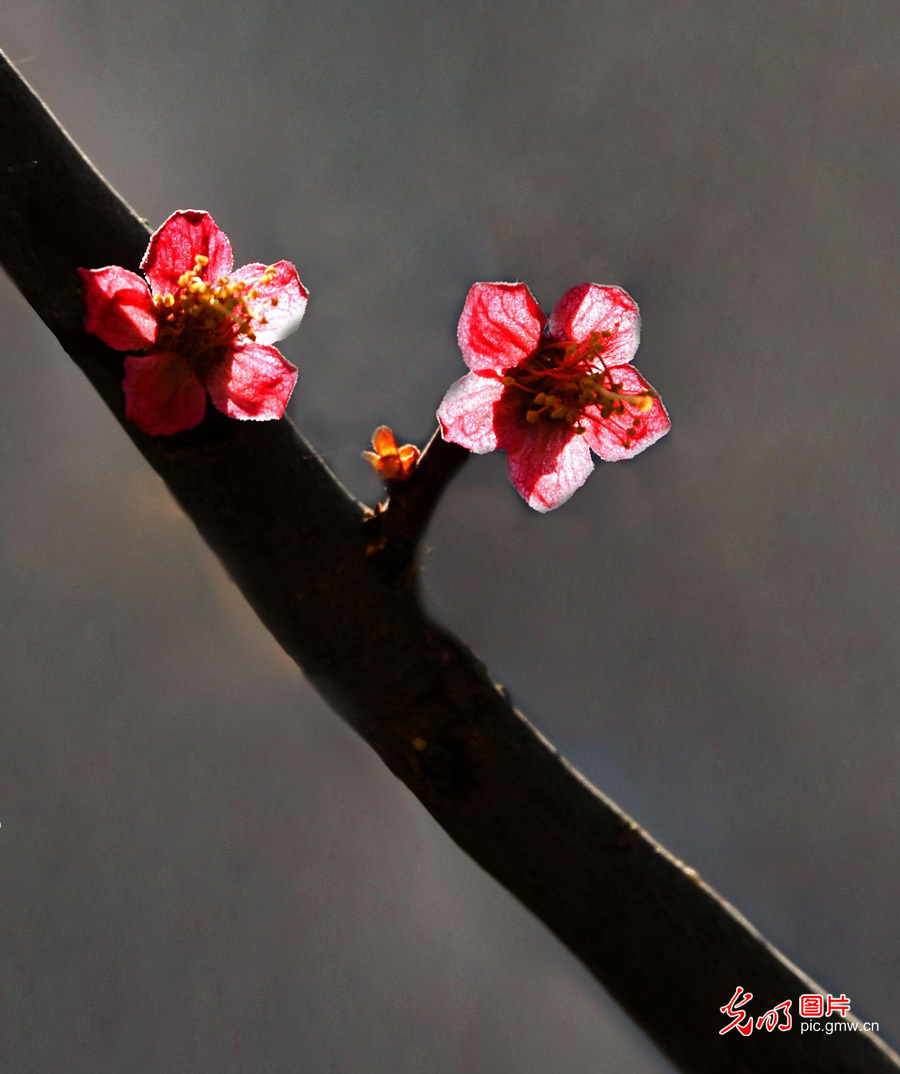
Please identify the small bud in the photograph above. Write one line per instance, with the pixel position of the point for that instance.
(390, 462)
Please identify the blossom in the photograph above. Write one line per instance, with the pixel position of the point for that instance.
(550, 392)
(196, 325)
(390, 462)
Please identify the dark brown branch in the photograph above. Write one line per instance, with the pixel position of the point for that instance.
(664, 944)
(396, 529)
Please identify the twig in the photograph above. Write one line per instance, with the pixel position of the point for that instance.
(666, 946)
(396, 529)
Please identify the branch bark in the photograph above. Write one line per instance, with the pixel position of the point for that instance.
(396, 529)
(663, 943)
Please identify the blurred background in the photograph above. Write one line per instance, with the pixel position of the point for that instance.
(202, 868)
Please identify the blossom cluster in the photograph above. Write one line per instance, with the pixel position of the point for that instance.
(548, 392)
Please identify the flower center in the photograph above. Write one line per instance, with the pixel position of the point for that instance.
(201, 319)
(560, 381)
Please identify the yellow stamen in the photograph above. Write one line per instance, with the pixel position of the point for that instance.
(203, 317)
(559, 381)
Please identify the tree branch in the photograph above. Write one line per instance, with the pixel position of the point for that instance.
(663, 943)
(397, 528)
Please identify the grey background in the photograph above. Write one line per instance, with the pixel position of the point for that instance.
(202, 869)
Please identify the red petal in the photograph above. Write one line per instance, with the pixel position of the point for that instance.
(591, 308)
(254, 382)
(606, 436)
(500, 325)
(162, 395)
(469, 410)
(120, 310)
(548, 463)
(290, 295)
(174, 246)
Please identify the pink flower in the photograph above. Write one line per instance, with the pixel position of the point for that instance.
(202, 327)
(549, 393)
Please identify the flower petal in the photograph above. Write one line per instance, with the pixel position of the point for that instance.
(162, 395)
(384, 441)
(500, 325)
(607, 437)
(254, 382)
(469, 410)
(547, 463)
(591, 308)
(174, 246)
(286, 292)
(119, 308)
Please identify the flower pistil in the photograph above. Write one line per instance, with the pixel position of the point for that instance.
(560, 380)
(202, 317)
